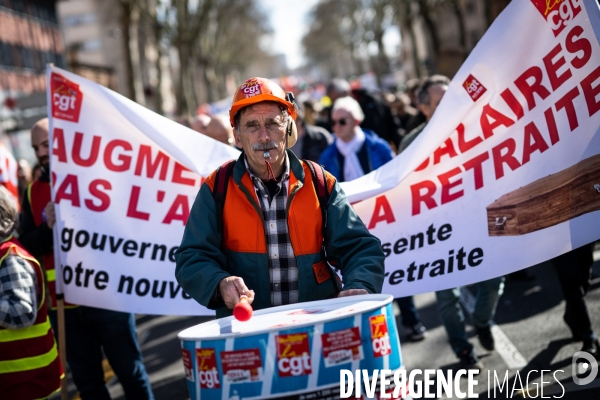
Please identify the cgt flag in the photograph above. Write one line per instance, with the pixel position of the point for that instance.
(507, 173)
(124, 179)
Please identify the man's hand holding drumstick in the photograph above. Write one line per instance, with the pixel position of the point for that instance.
(237, 296)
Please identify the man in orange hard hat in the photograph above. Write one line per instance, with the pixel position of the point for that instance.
(259, 225)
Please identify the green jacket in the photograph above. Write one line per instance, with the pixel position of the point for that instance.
(205, 257)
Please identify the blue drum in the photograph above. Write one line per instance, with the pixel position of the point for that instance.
(291, 352)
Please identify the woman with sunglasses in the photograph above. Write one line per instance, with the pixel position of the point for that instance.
(356, 151)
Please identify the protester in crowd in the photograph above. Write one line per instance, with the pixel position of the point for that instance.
(219, 129)
(574, 270)
(311, 112)
(200, 122)
(377, 115)
(89, 331)
(402, 111)
(312, 140)
(184, 120)
(336, 89)
(9, 172)
(356, 151)
(24, 173)
(36, 173)
(453, 318)
(26, 335)
(258, 243)
(412, 89)
(429, 96)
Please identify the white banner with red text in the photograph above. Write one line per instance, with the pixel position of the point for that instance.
(507, 173)
(123, 187)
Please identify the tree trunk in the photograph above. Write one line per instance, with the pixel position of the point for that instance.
(433, 34)
(209, 78)
(487, 4)
(155, 27)
(181, 98)
(188, 89)
(408, 23)
(158, 98)
(125, 22)
(134, 56)
(383, 64)
(462, 30)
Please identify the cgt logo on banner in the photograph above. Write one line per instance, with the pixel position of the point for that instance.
(558, 13)
(498, 181)
(66, 98)
(474, 88)
(122, 197)
(504, 178)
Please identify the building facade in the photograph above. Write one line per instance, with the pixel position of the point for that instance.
(30, 38)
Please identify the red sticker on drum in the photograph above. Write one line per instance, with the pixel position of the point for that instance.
(187, 364)
(379, 336)
(241, 366)
(293, 354)
(208, 375)
(342, 346)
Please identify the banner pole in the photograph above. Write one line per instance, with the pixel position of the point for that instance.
(62, 343)
(60, 302)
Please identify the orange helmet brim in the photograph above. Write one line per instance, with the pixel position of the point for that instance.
(237, 106)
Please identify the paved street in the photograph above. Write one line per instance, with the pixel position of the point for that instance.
(531, 335)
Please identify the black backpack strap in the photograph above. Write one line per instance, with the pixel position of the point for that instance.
(220, 190)
(320, 183)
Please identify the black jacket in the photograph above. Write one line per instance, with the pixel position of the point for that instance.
(36, 239)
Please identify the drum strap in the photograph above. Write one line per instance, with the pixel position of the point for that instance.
(220, 190)
(320, 184)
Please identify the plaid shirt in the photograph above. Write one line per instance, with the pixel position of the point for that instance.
(283, 271)
(18, 283)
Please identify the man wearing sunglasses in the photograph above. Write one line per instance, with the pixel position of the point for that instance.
(356, 151)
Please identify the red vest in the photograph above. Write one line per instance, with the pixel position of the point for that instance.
(38, 194)
(29, 364)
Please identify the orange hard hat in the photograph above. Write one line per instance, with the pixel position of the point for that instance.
(256, 90)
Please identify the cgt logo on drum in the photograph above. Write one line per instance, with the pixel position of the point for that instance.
(293, 354)
(379, 336)
(208, 375)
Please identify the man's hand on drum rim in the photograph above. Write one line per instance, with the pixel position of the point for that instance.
(232, 288)
(352, 292)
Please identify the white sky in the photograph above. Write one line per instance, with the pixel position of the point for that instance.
(289, 21)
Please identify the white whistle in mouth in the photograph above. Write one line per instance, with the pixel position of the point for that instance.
(266, 154)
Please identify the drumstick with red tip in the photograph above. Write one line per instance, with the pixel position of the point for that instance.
(242, 310)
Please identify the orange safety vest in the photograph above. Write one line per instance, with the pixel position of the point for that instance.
(38, 194)
(29, 364)
(243, 220)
